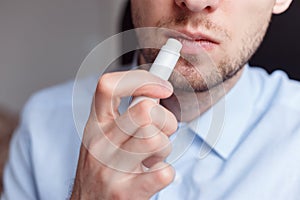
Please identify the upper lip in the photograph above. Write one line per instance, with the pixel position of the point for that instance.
(194, 36)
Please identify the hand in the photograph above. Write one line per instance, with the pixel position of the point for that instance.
(116, 148)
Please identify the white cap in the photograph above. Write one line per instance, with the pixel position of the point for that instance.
(164, 64)
(173, 45)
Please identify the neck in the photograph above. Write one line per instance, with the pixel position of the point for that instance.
(187, 106)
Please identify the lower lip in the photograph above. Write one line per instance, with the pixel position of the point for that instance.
(195, 47)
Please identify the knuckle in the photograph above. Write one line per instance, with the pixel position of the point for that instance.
(154, 143)
(146, 189)
(150, 146)
(166, 152)
(146, 105)
(144, 109)
(173, 125)
(116, 194)
(92, 145)
(104, 84)
(142, 73)
(166, 176)
(166, 149)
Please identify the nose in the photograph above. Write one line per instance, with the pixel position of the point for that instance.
(198, 5)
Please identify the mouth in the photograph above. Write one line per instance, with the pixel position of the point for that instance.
(195, 42)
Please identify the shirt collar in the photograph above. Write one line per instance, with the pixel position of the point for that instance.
(223, 125)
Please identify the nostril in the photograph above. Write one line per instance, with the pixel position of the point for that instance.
(198, 5)
(183, 5)
(208, 8)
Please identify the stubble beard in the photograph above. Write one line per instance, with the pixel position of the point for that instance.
(195, 73)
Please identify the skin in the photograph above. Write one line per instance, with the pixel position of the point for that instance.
(117, 146)
(232, 33)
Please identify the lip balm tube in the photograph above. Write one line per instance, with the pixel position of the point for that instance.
(163, 65)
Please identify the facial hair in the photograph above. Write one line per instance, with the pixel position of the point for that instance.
(199, 73)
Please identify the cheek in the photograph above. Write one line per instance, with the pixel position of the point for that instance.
(246, 19)
(253, 14)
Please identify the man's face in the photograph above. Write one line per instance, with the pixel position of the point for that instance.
(228, 31)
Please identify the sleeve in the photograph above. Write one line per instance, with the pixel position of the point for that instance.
(18, 179)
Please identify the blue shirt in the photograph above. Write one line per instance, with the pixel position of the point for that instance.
(256, 155)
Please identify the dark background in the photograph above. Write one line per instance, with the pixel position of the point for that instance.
(281, 47)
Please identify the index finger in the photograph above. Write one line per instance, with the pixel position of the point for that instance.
(113, 86)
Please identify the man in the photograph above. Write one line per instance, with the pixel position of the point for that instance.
(254, 158)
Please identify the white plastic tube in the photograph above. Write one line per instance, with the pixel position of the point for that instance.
(163, 65)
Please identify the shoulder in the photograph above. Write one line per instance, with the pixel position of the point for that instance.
(46, 109)
(61, 108)
(46, 131)
(277, 88)
(288, 91)
(59, 95)
(277, 101)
